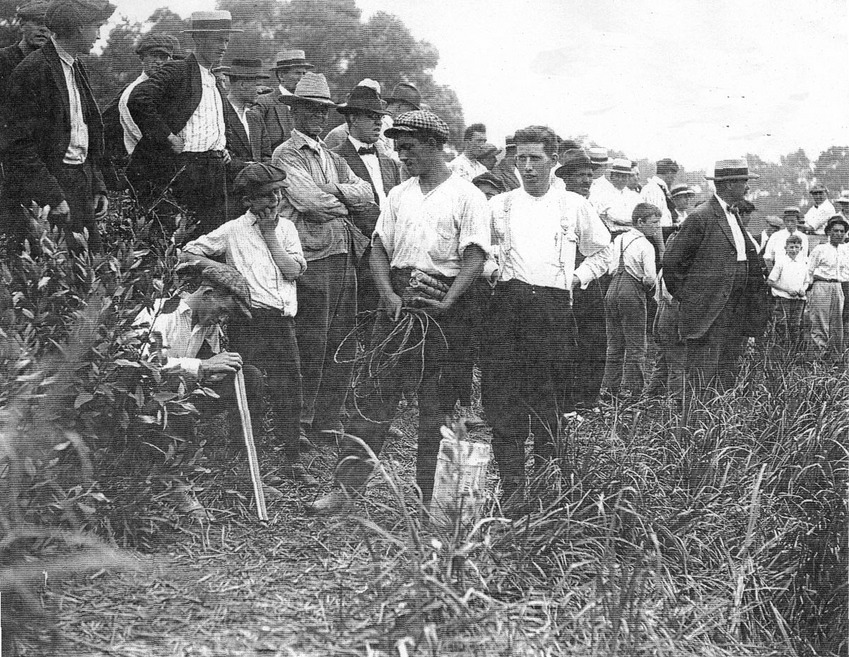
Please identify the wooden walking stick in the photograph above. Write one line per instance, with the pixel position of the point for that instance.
(247, 430)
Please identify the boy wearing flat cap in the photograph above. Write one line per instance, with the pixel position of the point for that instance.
(264, 247)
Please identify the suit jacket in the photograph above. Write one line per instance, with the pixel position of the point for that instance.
(276, 117)
(40, 128)
(164, 103)
(696, 269)
(244, 149)
(10, 57)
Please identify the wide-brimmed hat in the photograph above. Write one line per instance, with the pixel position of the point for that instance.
(418, 121)
(792, 209)
(209, 22)
(837, 219)
(775, 222)
(257, 175)
(843, 198)
(312, 88)
(289, 58)
(362, 99)
(666, 165)
(490, 179)
(246, 69)
(69, 14)
(164, 43)
(599, 156)
(621, 165)
(404, 92)
(681, 190)
(571, 161)
(732, 170)
(34, 10)
(818, 187)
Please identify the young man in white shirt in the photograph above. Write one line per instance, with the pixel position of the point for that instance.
(531, 338)
(656, 190)
(774, 250)
(826, 268)
(438, 224)
(618, 205)
(818, 216)
(466, 164)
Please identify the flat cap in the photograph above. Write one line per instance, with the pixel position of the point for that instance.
(775, 222)
(65, 14)
(228, 278)
(256, 175)
(419, 121)
(164, 43)
(35, 9)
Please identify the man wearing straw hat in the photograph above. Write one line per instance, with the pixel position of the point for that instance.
(289, 66)
(180, 111)
(818, 216)
(56, 148)
(618, 204)
(713, 269)
(656, 190)
(682, 196)
(323, 196)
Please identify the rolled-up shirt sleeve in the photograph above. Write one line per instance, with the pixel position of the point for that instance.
(593, 243)
(476, 224)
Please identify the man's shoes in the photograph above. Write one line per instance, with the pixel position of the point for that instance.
(334, 503)
(299, 473)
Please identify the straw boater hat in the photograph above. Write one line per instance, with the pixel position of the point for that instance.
(621, 165)
(246, 69)
(792, 209)
(599, 157)
(843, 199)
(731, 170)
(312, 88)
(290, 58)
(404, 92)
(362, 99)
(681, 190)
(211, 22)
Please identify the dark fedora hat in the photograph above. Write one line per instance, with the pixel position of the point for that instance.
(362, 99)
(246, 69)
(571, 161)
(404, 92)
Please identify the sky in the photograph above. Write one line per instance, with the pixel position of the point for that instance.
(695, 80)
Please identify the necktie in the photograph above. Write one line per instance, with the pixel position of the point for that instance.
(366, 150)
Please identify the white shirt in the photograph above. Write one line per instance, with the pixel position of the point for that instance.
(739, 240)
(241, 243)
(790, 274)
(466, 168)
(654, 192)
(77, 150)
(182, 339)
(242, 113)
(204, 131)
(600, 191)
(132, 132)
(828, 262)
(538, 237)
(639, 258)
(817, 217)
(775, 245)
(431, 231)
(618, 209)
(373, 166)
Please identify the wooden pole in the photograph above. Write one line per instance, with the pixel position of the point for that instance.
(247, 430)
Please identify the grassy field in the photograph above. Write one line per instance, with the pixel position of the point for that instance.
(727, 538)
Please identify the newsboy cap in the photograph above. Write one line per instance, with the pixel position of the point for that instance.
(228, 278)
(257, 175)
(68, 14)
(163, 43)
(33, 10)
(419, 121)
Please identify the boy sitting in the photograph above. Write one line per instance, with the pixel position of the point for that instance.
(788, 282)
(266, 250)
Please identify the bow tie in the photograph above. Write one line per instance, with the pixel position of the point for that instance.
(366, 150)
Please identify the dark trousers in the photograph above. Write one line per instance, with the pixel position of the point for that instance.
(427, 369)
(226, 390)
(76, 182)
(526, 365)
(625, 317)
(788, 320)
(671, 358)
(327, 313)
(468, 353)
(712, 358)
(591, 337)
(268, 342)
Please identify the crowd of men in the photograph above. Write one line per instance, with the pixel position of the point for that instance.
(547, 267)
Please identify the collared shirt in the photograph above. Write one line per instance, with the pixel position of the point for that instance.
(736, 232)
(431, 231)
(639, 256)
(180, 336)
(373, 166)
(204, 131)
(284, 91)
(817, 217)
(827, 261)
(132, 132)
(791, 275)
(618, 208)
(242, 113)
(656, 192)
(318, 215)
(241, 243)
(466, 168)
(600, 191)
(77, 150)
(775, 245)
(537, 238)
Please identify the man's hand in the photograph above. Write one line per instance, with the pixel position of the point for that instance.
(432, 307)
(576, 283)
(391, 304)
(60, 214)
(220, 365)
(177, 144)
(267, 220)
(227, 157)
(331, 189)
(101, 206)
